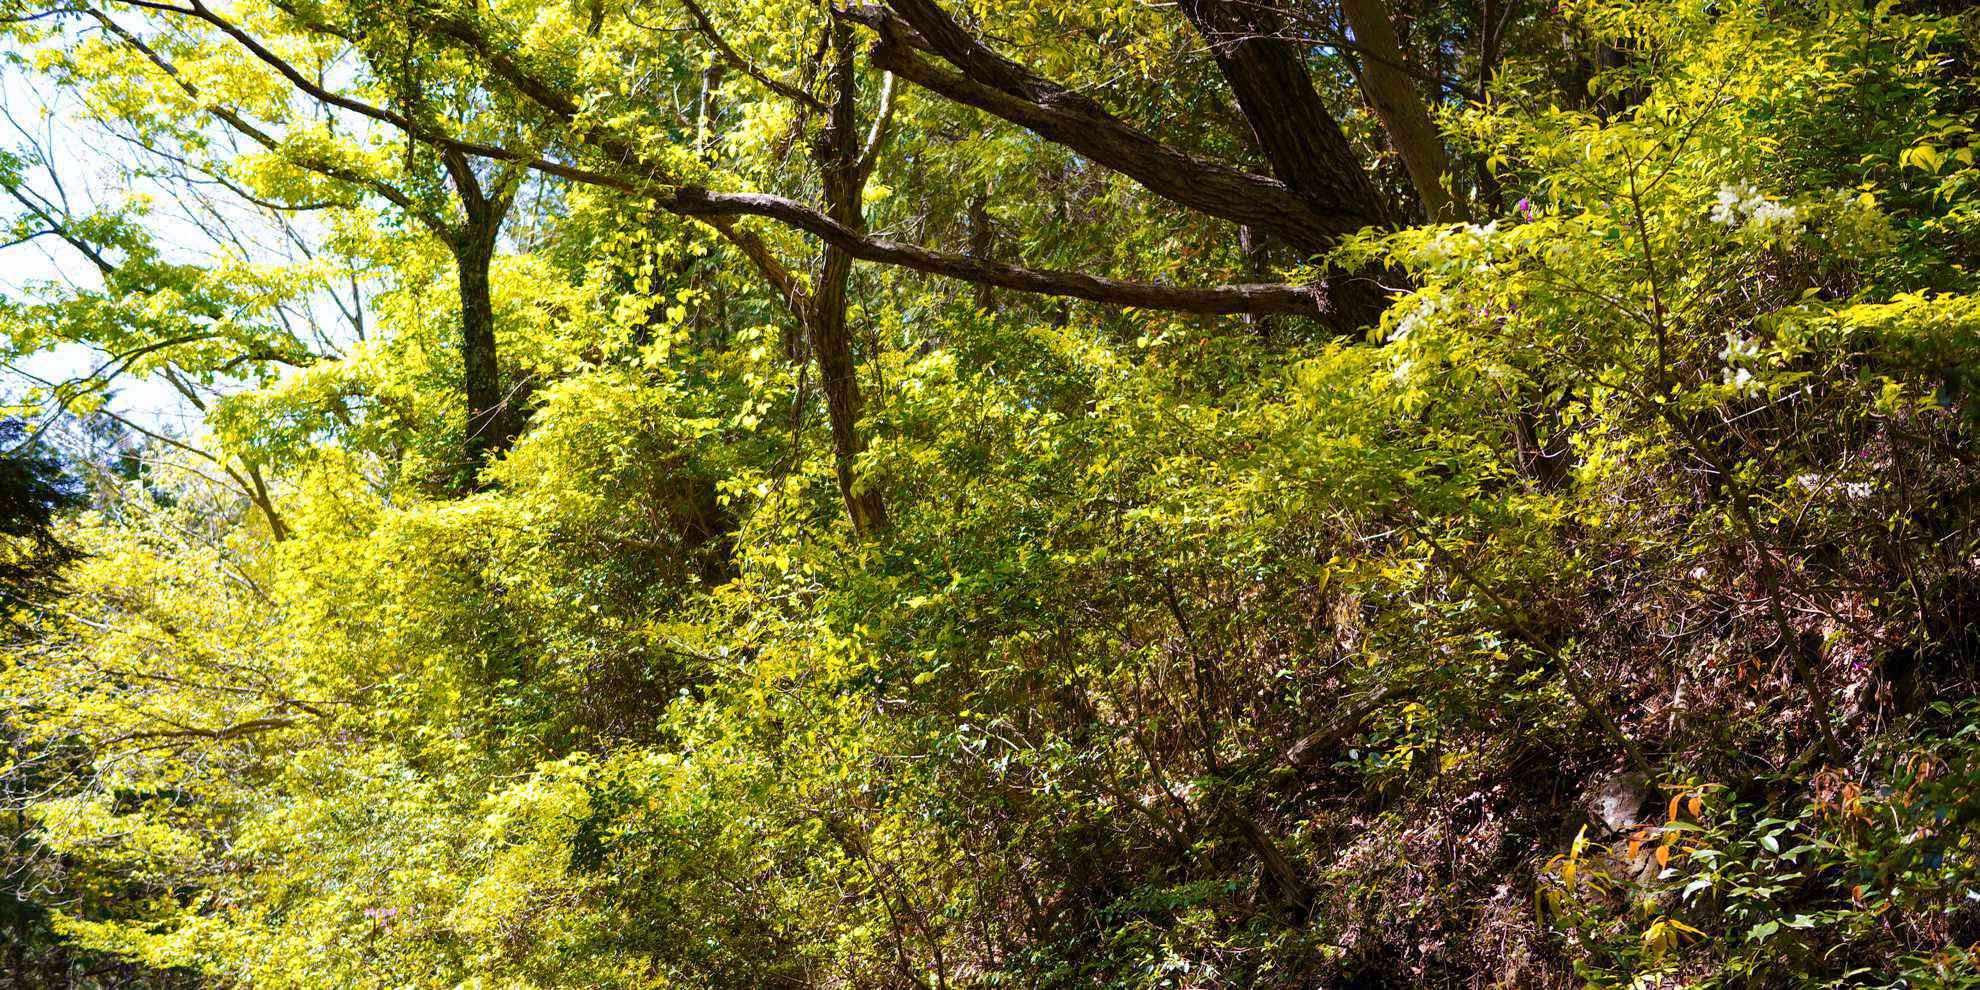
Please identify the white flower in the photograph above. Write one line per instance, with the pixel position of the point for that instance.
(1857, 490)
(1418, 315)
(1731, 198)
(1739, 203)
(1772, 214)
(1456, 244)
(1739, 349)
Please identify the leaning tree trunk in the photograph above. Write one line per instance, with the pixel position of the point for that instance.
(1299, 138)
(1318, 194)
(1404, 115)
(1295, 133)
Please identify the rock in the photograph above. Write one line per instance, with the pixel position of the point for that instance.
(1618, 801)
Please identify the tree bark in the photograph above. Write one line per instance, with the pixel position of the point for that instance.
(1075, 121)
(1295, 132)
(488, 432)
(1404, 115)
(839, 157)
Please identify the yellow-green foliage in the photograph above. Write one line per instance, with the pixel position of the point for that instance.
(1194, 652)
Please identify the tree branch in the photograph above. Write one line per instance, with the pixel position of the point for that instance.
(743, 64)
(974, 75)
(692, 201)
(1265, 298)
(298, 79)
(385, 190)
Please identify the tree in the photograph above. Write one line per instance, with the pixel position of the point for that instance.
(467, 218)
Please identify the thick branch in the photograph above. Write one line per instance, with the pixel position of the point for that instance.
(973, 75)
(248, 728)
(1294, 130)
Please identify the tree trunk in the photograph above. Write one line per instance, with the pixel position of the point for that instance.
(1257, 251)
(831, 348)
(1404, 115)
(838, 154)
(982, 244)
(490, 426)
(1301, 140)
(1297, 135)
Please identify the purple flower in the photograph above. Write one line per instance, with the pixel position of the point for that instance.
(1525, 208)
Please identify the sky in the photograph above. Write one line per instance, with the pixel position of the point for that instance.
(88, 167)
(87, 175)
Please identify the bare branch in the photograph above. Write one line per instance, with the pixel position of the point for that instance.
(303, 82)
(248, 728)
(1265, 298)
(883, 124)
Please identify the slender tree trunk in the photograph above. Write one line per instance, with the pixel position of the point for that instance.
(711, 78)
(838, 153)
(1490, 21)
(17, 952)
(1404, 115)
(982, 244)
(490, 427)
(831, 348)
(1257, 252)
(257, 492)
